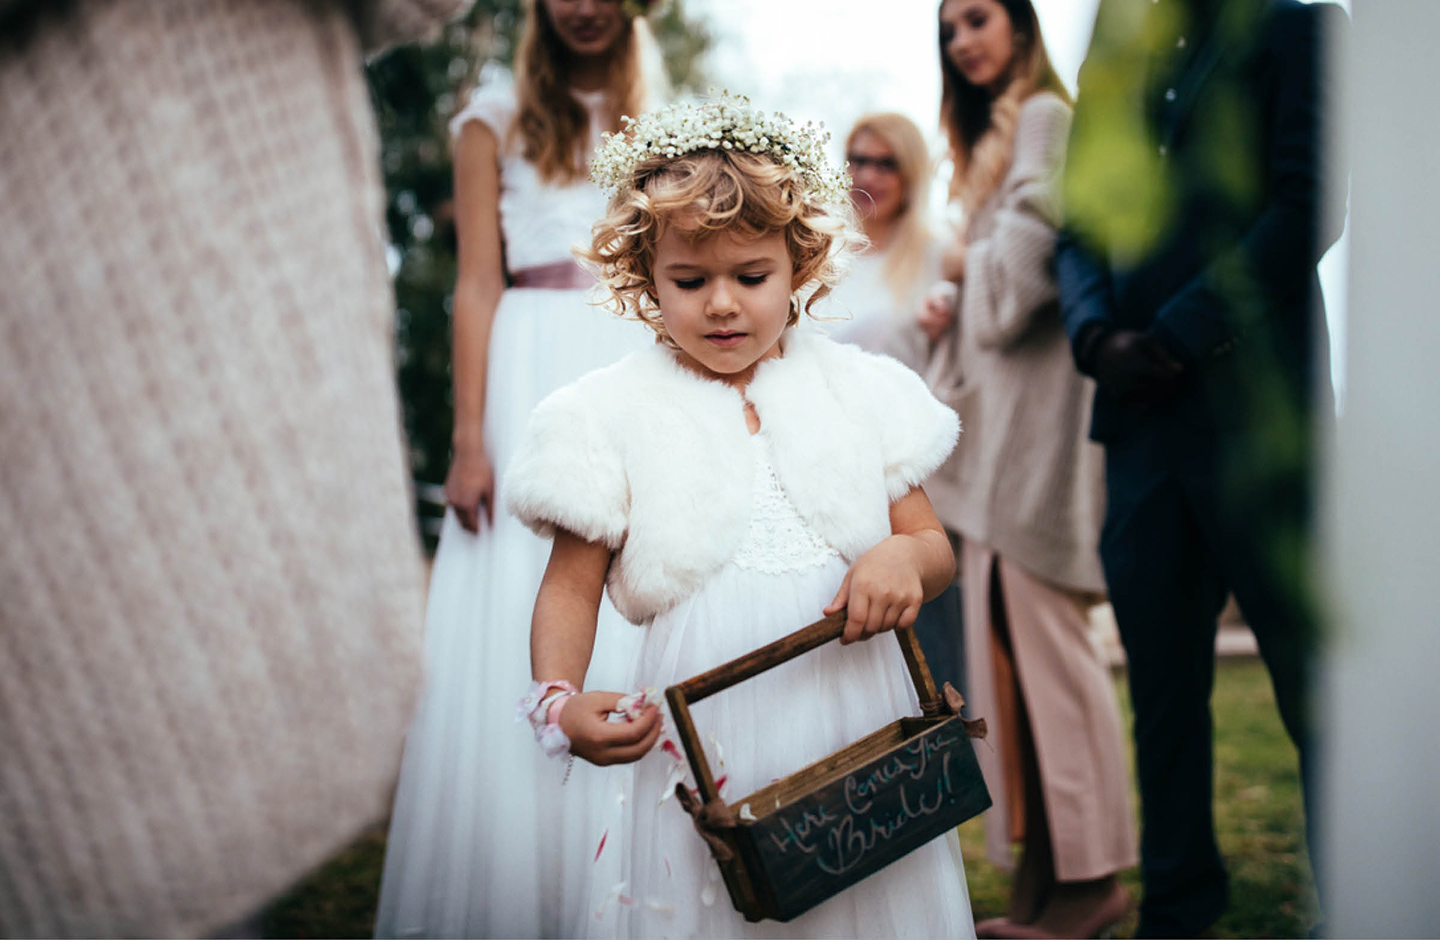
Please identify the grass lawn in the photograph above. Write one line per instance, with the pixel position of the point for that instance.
(1258, 814)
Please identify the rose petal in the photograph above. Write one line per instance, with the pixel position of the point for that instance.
(601, 847)
(630, 706)
(677, 773)
(611, 898)
(719, 751)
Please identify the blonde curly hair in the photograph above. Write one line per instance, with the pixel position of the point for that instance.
(703, 193)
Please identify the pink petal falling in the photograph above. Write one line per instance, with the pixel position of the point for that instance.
(719, 751)
(611, 898)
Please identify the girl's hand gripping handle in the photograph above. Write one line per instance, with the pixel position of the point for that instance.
(886, 586)
(881, 591)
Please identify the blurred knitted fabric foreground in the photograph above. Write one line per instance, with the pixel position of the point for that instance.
(209, 579)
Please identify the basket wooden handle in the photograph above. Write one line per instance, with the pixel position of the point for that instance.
(768, 657)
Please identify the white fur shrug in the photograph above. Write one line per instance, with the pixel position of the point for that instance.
(652, 460)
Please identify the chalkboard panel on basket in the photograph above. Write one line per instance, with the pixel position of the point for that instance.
(788, 846)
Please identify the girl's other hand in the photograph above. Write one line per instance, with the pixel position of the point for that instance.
(585, 719)
(938, 311)
(469, 486)
(881, 591)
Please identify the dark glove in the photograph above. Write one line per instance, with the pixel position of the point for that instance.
(1138, 368)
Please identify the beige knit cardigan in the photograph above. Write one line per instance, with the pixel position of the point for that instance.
(210, 589)
(1025, 480)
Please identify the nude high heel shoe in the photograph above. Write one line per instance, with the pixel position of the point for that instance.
(1099, 920)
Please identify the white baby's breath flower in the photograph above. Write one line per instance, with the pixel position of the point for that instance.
(726, 122)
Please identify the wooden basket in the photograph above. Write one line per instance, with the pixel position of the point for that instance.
(825, 827)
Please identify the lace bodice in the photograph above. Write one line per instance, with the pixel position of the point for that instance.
(778, 539)
(540, 221)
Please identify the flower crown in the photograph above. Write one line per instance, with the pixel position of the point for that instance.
(727, 122)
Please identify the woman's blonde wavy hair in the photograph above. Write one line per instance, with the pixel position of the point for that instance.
(981, 129)
(554, 128)
(905, 257)
(704, 193)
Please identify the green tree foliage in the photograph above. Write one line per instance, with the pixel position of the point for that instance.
(416, 89)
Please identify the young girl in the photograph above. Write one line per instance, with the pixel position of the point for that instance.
(1026, 491)
(477, 844)
(730, 485)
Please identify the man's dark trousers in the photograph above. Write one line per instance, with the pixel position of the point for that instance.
(1172, 546)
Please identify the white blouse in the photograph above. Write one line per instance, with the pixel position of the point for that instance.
(540, 221)
(869, 315)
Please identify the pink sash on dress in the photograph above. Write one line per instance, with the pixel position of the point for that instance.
(558, 275)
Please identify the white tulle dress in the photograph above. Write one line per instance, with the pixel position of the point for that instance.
(484, 840)
(779, 580)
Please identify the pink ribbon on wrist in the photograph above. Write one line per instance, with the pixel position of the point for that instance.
(557, 705)
(541, 706)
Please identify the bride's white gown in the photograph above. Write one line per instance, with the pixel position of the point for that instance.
(484, 840)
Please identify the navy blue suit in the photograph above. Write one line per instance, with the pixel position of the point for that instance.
(1195, 216)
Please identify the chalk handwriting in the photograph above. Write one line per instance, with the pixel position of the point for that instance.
(839, 842)
(855, 836)
(798, 835)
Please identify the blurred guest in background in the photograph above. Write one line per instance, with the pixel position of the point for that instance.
(882, 292)
(210, 582)
(1024, 488)
(485, 841)
(1187, 275)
